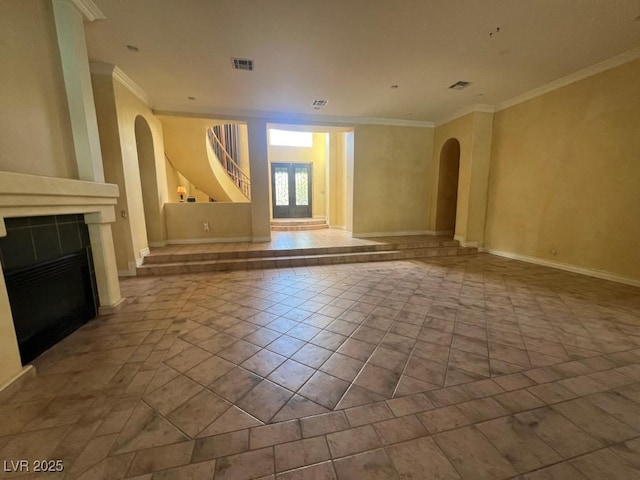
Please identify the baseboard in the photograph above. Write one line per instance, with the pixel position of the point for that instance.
(260, 239)
(143, 253)
(590, 272)
(463, 243)
(192, 241)
(111, 309)
(338, 227)
(158, 244)
(11, 386)
(131, 272)
(439, 233)
(390, 234)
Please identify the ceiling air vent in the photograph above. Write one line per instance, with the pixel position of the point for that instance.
(460, 85)
(319, 103)
(242, 64)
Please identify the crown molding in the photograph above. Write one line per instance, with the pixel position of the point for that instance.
(286, 118)
(132, 86)
(475, 108)
(89, 10)
(100, 68)
(572, 78)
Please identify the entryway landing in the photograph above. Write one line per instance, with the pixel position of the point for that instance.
(296, 249)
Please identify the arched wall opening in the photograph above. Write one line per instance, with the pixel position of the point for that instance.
(448, 186)
(148, 180)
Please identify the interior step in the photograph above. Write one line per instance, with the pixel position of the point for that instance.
(298, 258)
(159, 258)
(298, 224)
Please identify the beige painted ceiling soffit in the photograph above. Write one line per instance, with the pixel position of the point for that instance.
(89, 10)
(100, 68)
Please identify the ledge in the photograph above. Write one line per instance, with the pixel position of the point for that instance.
(23, 195)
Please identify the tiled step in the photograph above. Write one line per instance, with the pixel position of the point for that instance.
(297, 260)
(298, 228)
(298, 224)
(155, 258)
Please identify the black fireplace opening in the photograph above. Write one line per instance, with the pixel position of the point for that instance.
(50, 281)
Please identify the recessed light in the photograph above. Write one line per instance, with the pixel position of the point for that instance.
(133, 48)
(393, 87)
(191, 98)
(459, 85)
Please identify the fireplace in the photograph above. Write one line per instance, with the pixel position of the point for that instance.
(49, 277)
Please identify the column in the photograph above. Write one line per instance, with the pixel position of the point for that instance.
(10, 363)
(259, 169)
(77, 80)
(104, 263)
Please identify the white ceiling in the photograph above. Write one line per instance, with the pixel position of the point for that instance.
(350, 52)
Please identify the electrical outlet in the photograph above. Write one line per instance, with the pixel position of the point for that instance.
(205, 225)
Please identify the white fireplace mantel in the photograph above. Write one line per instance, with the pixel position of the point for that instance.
(23, 195)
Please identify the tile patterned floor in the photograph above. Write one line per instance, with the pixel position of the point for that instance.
(470, 367)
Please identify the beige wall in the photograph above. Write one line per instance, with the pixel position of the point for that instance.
(117, 109)
(391, 188)
(337, 180)
(35, 129)
(129, 107)
(565, 175)
(227, 221)
(188, 148)
(315, 155)
(259, 166)
(104, 96)
(462, 130)
(176, 179)
(243, 149)
(348, 152)
(474, 132)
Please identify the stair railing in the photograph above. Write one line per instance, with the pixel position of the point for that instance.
(230, 166)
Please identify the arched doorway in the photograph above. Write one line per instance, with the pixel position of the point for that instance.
(148, 180)
(448, 186)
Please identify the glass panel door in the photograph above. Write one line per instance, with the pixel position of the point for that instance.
(281, 186)
(291, 190)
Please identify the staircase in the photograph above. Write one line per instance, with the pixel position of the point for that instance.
(224, 142)
(198, 262)
(297, 224)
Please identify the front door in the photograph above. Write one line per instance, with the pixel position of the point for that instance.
(291, 187)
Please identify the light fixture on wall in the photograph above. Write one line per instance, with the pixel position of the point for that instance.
(181, 192)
